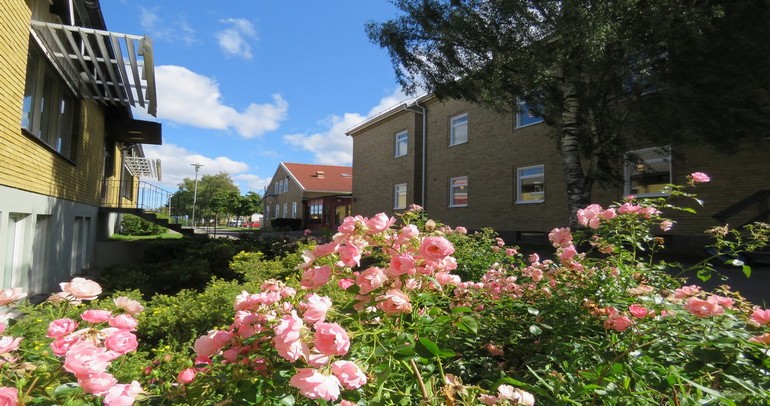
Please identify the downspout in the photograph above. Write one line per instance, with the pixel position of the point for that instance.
(424, 114)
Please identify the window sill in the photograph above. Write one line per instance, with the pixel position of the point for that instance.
(457, 143)
(452, 206)
(527, 125)
(530, 201)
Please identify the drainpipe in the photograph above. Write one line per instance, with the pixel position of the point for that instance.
(424, 114)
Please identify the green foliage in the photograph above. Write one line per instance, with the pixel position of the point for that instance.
(254, 267)
(133, 225)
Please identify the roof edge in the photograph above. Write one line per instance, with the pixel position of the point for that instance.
(377, 118)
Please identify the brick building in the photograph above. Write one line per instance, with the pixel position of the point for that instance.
(69, 146)
(467, 165)
(319, 195)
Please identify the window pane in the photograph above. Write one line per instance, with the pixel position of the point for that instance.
(401, 143)
(399, 198)
(459, 130)
(526, 116)
(459, 191)
(649, 173)
(531, 181)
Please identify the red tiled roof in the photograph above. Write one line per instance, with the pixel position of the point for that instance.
(322, 178)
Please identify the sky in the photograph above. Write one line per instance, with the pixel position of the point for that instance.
(243, 85)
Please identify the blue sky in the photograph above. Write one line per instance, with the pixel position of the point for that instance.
(244, 85)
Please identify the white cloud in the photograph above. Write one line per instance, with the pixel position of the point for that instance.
(252, 183)
(333, 147)
(170, 30)
(176, 164)
(234, 40)
(186, 97)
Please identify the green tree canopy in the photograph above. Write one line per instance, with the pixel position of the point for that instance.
(597, 71)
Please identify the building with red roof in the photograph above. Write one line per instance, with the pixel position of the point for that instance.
(319, 196)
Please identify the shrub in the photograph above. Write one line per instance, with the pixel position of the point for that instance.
(137, 226)
(286, 224)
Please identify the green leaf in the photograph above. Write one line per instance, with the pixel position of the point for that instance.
(66, 388)
(747, 271)
(461, 310)
(470, 323)
(703, 274)
(533, 311)
(535, 329)
(426, 348)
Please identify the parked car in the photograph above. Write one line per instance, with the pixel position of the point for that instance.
(251, 224)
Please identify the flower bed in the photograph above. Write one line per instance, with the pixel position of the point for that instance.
(388, 315)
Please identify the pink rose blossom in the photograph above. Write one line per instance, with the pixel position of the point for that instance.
(702, 308)
(436, 248)
(123, 394)
(314, 308)
(370, 279)
(10, 295)
(380, 222)
(331, 339)
(560, 237)
(394, 301)
(699, 177)
(568, 253)
(61, 327)
(288, 329)
(124, 322)
(488, 399)
(8, 344)
(628, 207)
(534, 258)
(82, 288)
(121, 342)
(324, 249)
(759, 316)
(686, 291)
(350, 224)
(186, 376)
(96, 316)
(345, 283)
(349, 374)
(316, 277)
(666, 225)
(618, 323)
(407, 233)
(401, 264)
(128, 305)
(461, 230)
(210, 344)
(84, 358)
(315, 385)
(761, 339)
(97, 384)
(721, 300)
(291, 350)
(638, 311)
(350, 255)
(9, 396)
(61, 345)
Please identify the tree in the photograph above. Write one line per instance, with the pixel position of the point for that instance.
(209, 187)
(593, 69)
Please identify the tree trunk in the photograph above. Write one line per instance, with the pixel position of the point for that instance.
(578, 185)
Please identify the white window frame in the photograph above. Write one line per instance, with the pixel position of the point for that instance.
(399, 152)
(285, 210)
(520, 177)
(456, 122)
(649, 156)
(293, 210)
(277, 211)
(399, 190)
(453, 193)
(524, 109)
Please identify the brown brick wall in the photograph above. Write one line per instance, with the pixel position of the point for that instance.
(294, 194)
(26, 163)
(495, 150)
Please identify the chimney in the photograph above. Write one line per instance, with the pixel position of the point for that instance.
(319, 174)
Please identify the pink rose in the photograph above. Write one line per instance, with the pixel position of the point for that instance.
(210, 344)
(331, 339)
(461, 230)
(436, 248)
(96, 316)
(84, 358)
(394, 301)
(534, 258)
(380, 222)
(128, 305)
(97, 384)
(567, 253)
(315, 385)
(608, 214)
(8, 344)
(686, 291)
(288, 329)
(401, 264)
(666, 225)
(350, 255)
(186, 376)
(123, 394)
(124, 322)
(349, 374)
(350, 224)
(371, 279)
(703, 308)
(721, 300)
(560, 237)
(291, 350)
(345, 283)
(761, 339)
(121, 342)
(488, 399)
(699, 177)
(638, 311)
(9, 396)
(407, 233)
(759, 316)
(61, 345)
(618, 323)
(324, 249)
(446, 278)
(316, 277)
(61, 327)
(82, 288)
(314, 308)
(10, 295)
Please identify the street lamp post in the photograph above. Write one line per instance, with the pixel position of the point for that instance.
(195, 193)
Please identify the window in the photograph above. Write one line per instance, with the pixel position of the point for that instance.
(526, 116)
(458, 192)
(458, 133)
(316, 208)
(285, 212)
(293, 210)
(648, 172)
(530, 182)
(399, 196)
(267, 212)
(285, 185)
(48, 110)
(402, 143)
(277, 208)
(277, 188)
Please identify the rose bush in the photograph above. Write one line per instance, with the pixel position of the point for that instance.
(414, 313)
